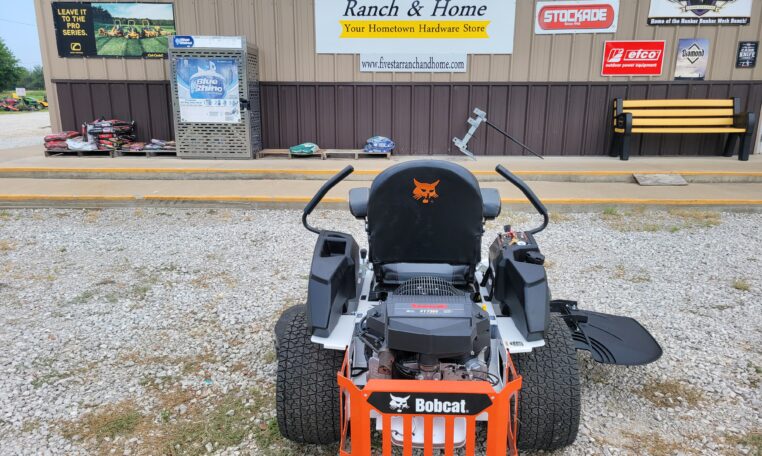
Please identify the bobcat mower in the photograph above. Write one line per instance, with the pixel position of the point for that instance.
(418, 339)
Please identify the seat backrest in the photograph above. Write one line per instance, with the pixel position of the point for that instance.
(679, 113)
(425, 211)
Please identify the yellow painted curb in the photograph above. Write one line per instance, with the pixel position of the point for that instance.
(67, 198)
(305, 199)
(364, 172)
(181, 171)
(241, 199)
(637, 201)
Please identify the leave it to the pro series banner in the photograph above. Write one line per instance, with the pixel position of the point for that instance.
(137, 30)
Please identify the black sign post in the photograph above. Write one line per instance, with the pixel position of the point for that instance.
(747, 54)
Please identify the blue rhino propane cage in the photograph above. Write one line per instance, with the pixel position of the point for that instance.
(215, 97)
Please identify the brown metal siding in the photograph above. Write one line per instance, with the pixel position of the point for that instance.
(553, 118)
(148, 103)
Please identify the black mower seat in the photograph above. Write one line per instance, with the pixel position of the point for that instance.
(424, 211)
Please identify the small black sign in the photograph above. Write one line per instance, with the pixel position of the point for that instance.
(74, 29)
(747, 54)
(430, 403)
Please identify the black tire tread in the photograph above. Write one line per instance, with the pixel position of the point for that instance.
(307, 394)
(549, 400)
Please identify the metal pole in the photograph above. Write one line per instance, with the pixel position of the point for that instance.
(512, 139)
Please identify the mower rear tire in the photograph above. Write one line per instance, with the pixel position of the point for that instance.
(549, 400)
(306, 392)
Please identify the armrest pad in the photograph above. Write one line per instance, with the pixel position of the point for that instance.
(358, 202)
(491, 203)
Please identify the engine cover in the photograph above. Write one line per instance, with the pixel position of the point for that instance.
(439, 326)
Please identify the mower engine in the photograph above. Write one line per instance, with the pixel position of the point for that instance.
(420, 330)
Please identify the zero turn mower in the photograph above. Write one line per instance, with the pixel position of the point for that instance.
(418, 339)
(148, 31)
(115, 30)
(132, 31)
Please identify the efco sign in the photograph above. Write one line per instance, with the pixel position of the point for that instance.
(584, 16)
(633, 58)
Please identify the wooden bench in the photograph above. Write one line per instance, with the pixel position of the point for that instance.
(721, 116)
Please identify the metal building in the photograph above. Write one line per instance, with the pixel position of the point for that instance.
(549, 92)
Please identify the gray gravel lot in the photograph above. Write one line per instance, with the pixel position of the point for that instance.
(149, 331)
(23, 129)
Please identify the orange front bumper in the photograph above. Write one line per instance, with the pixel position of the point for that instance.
(356, 409)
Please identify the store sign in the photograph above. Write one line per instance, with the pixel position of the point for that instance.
(747, 54)
(692, 58)
(207, 90)
(138, 30)
(21, 91)
(213, 42)
(415, 26)
(576, 17)
(413, 63)
(633, 58)
(699, 12)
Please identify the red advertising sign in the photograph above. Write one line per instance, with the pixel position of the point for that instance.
(633, 58)
(576, 17)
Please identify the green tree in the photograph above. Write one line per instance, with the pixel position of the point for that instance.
(10, 71)
(33, 79)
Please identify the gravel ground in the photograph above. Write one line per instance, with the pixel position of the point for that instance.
(149, 331)
(23, 129)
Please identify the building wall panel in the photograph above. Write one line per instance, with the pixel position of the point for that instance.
(551, 118)
(147, 103)
(548, 93)
(284, 31)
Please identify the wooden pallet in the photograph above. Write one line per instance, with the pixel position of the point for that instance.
(357, 153)
(145, 153)
(287, 153)
(77, 153)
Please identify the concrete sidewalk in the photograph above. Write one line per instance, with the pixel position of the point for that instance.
(30, 162)
(27, 178)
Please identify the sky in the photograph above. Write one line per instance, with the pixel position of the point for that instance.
(157, 11)
(19, 31)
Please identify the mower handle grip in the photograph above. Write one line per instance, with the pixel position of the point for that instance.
(530, 195)
(327, 186)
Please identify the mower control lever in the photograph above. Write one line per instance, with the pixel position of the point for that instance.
(329, 184)
(521, 185)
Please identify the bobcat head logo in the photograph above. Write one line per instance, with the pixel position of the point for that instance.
(398, 404)
(424, 191)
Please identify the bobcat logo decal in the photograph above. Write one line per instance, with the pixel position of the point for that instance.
(424, 191)
(398, 404)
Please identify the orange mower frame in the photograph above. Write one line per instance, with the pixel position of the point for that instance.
(357, 411)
